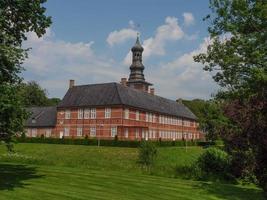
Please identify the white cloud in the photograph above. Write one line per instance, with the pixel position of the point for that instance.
(53, 62)
(188, 18)
(188, 79)
(120, 36)
(170, 31)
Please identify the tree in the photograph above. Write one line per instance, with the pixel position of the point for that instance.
(32, 94)
(210, 116)
(17, 17)
(238, 57)
(147, 154)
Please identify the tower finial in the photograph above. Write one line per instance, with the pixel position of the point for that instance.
(138, 39)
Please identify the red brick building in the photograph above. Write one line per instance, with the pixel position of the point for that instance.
(128, 109)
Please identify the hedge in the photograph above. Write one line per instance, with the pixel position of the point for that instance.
(114, 143)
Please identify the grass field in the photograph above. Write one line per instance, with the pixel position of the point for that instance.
(43, 171)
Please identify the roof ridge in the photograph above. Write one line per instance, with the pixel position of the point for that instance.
(94, 84)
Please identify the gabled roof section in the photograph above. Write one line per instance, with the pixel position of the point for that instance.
(116, 94)
(91, 95)
(42, 116)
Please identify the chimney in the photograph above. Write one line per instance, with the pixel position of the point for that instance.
(71, 84)
(152, 91)
(124, 81)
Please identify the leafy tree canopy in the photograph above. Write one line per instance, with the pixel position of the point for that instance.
(32, 94)
(237, 56)
(17, 18)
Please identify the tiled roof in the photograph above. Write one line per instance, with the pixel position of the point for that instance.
(116, 94)
(42, 116)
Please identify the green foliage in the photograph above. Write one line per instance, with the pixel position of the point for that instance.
(210, 117)
(32, 94)
(237, 57)
(147, 153)
(17, 18)
(12, 114)
(115, 142)
(214, 162)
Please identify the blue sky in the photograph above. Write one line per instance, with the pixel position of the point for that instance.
(89, 41)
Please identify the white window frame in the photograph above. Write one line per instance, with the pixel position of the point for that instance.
(126, 113)
(80, 113)
(34, 132)
(48, 132)
(87, 113)
(107, 113)
(67, 131)
(93, 131)
(154, 118)
(126, 132)
(113, 131)
(79, 131)
(136, 133)
(150, 117)
(93, 113)
(67, 114)
(137, 115)
(28, 133)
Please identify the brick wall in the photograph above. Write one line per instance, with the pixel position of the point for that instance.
(129, 128)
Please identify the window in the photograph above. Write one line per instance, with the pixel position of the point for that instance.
(67, 114)
(126, 133)
(93, 113)
(150, 134)
(154, 133)
(92, 131)
(150, 117)
(136, 133)
(28, 134)
(86, 113)
(34, 132)
(113, 131)
(154, 118)
(48, 132)
(137, 115)
(107, 113)
(147, 117)
(66, 131)
(79, 131)
(186, 123)
(143, 133)
(80, 113)
(126, 113)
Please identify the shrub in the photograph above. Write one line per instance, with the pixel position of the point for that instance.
(214, 162)
(147, 154)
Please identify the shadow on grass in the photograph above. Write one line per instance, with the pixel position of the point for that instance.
(233, 192)
(13, 176)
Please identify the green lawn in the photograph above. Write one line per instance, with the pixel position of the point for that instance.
(43, 171)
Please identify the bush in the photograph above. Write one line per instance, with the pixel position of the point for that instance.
(214, 162)
(105, 142)
(147, 153)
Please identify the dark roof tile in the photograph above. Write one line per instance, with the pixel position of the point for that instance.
(117, 94)
(42, 116)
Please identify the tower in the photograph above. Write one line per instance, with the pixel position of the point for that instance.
(137, 79)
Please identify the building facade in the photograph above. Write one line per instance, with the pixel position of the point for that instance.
(129, 110)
